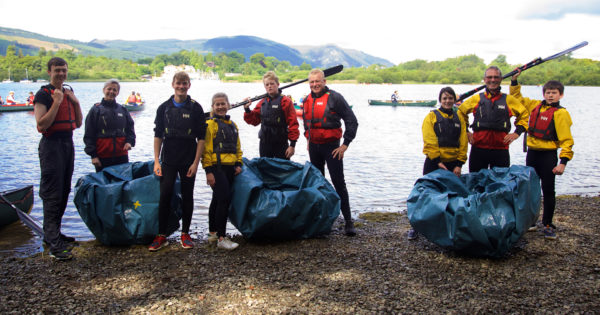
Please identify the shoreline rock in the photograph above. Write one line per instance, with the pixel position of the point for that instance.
(379, 271)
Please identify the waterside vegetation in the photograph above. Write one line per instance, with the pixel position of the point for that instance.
(457, 70)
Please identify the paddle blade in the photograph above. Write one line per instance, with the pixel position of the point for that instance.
(333, 70)
(566, 51)
(25, 218)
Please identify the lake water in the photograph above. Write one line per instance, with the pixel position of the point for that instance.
(381, 164)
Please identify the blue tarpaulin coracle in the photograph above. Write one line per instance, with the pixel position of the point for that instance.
(120, 204)
(481, 213)
(280, 199)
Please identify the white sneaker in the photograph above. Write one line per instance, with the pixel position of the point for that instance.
(227, 244)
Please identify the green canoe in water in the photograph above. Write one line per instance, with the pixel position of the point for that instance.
(22, 198)
(423, 103)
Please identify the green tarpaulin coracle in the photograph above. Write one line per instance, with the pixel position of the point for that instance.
(481, 213)
(279, 199)
(120, 204)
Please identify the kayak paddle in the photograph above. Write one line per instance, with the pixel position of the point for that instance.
(26, 218)
(531, 64)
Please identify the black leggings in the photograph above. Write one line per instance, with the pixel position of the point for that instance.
(430, 166)
(487, 158)
(543, 162)
(321, 154)
(221, 199)
(272, 149)
(167, 181)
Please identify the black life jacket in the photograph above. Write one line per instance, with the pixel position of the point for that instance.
(111, 122)
(272, 117)
(447, 130)
(226, 139)
(179, 122)
(541, 125)
(491, 115)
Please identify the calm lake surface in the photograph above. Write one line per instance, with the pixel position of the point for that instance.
(381, 164)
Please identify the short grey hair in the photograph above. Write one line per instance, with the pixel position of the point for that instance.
(112, 81)
(493, 68)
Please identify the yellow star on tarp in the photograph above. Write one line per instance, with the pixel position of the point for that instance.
(136, 204)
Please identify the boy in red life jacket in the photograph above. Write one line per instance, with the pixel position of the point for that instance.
(492, 111)
(30, 99)
(322, 111)
(277, 118)
(549, 129)
(57, 113)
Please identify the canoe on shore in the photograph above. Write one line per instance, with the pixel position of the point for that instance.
(417, 103)
(15, 108)
(22, 198)
(135, 108)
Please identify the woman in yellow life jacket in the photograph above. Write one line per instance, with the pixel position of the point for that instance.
(445, 141)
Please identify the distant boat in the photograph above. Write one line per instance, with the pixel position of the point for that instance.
(415, 103)
(26, 78)
(22, 107)
(135, 108)
(41, 81)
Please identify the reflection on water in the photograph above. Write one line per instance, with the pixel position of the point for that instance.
(381, 164)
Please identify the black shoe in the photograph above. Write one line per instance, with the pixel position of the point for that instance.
(67, 239)
(412, 235)
(349, 229)
(64, 254)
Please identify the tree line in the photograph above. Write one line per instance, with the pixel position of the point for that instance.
(458, 70)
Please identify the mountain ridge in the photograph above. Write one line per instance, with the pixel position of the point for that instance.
(316, 56)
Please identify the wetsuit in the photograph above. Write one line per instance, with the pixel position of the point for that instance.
(279, 124)
(108, 126)
(180, 126)
(322, 116)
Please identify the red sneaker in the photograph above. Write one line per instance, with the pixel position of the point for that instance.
(159, 242)
(186, 241)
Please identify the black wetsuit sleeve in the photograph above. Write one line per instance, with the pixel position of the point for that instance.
(342, 108)
(89, 136)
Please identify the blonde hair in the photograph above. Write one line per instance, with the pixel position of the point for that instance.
(270, 75)
(181, 76)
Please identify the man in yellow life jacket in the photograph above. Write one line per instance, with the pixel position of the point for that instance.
(323, 111)
(492, 111)
(57, 114)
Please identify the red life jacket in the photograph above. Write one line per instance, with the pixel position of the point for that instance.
(321, 123)
(30, 100)
(110, 137)
(131, 99)
(541, 124)
(65, 118)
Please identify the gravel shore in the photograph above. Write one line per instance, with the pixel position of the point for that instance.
(379, 271)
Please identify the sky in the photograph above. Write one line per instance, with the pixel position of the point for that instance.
(398, 31)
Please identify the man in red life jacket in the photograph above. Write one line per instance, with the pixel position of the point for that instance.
(57, 114)
(492, 111)
(30, 99)
(10, 99)
(322, 111)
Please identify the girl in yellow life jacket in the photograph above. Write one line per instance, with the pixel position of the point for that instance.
(549, 129)
(222, 160)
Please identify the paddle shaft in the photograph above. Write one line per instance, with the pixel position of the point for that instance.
(327, 72)
(25, 218)
(524, 67)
